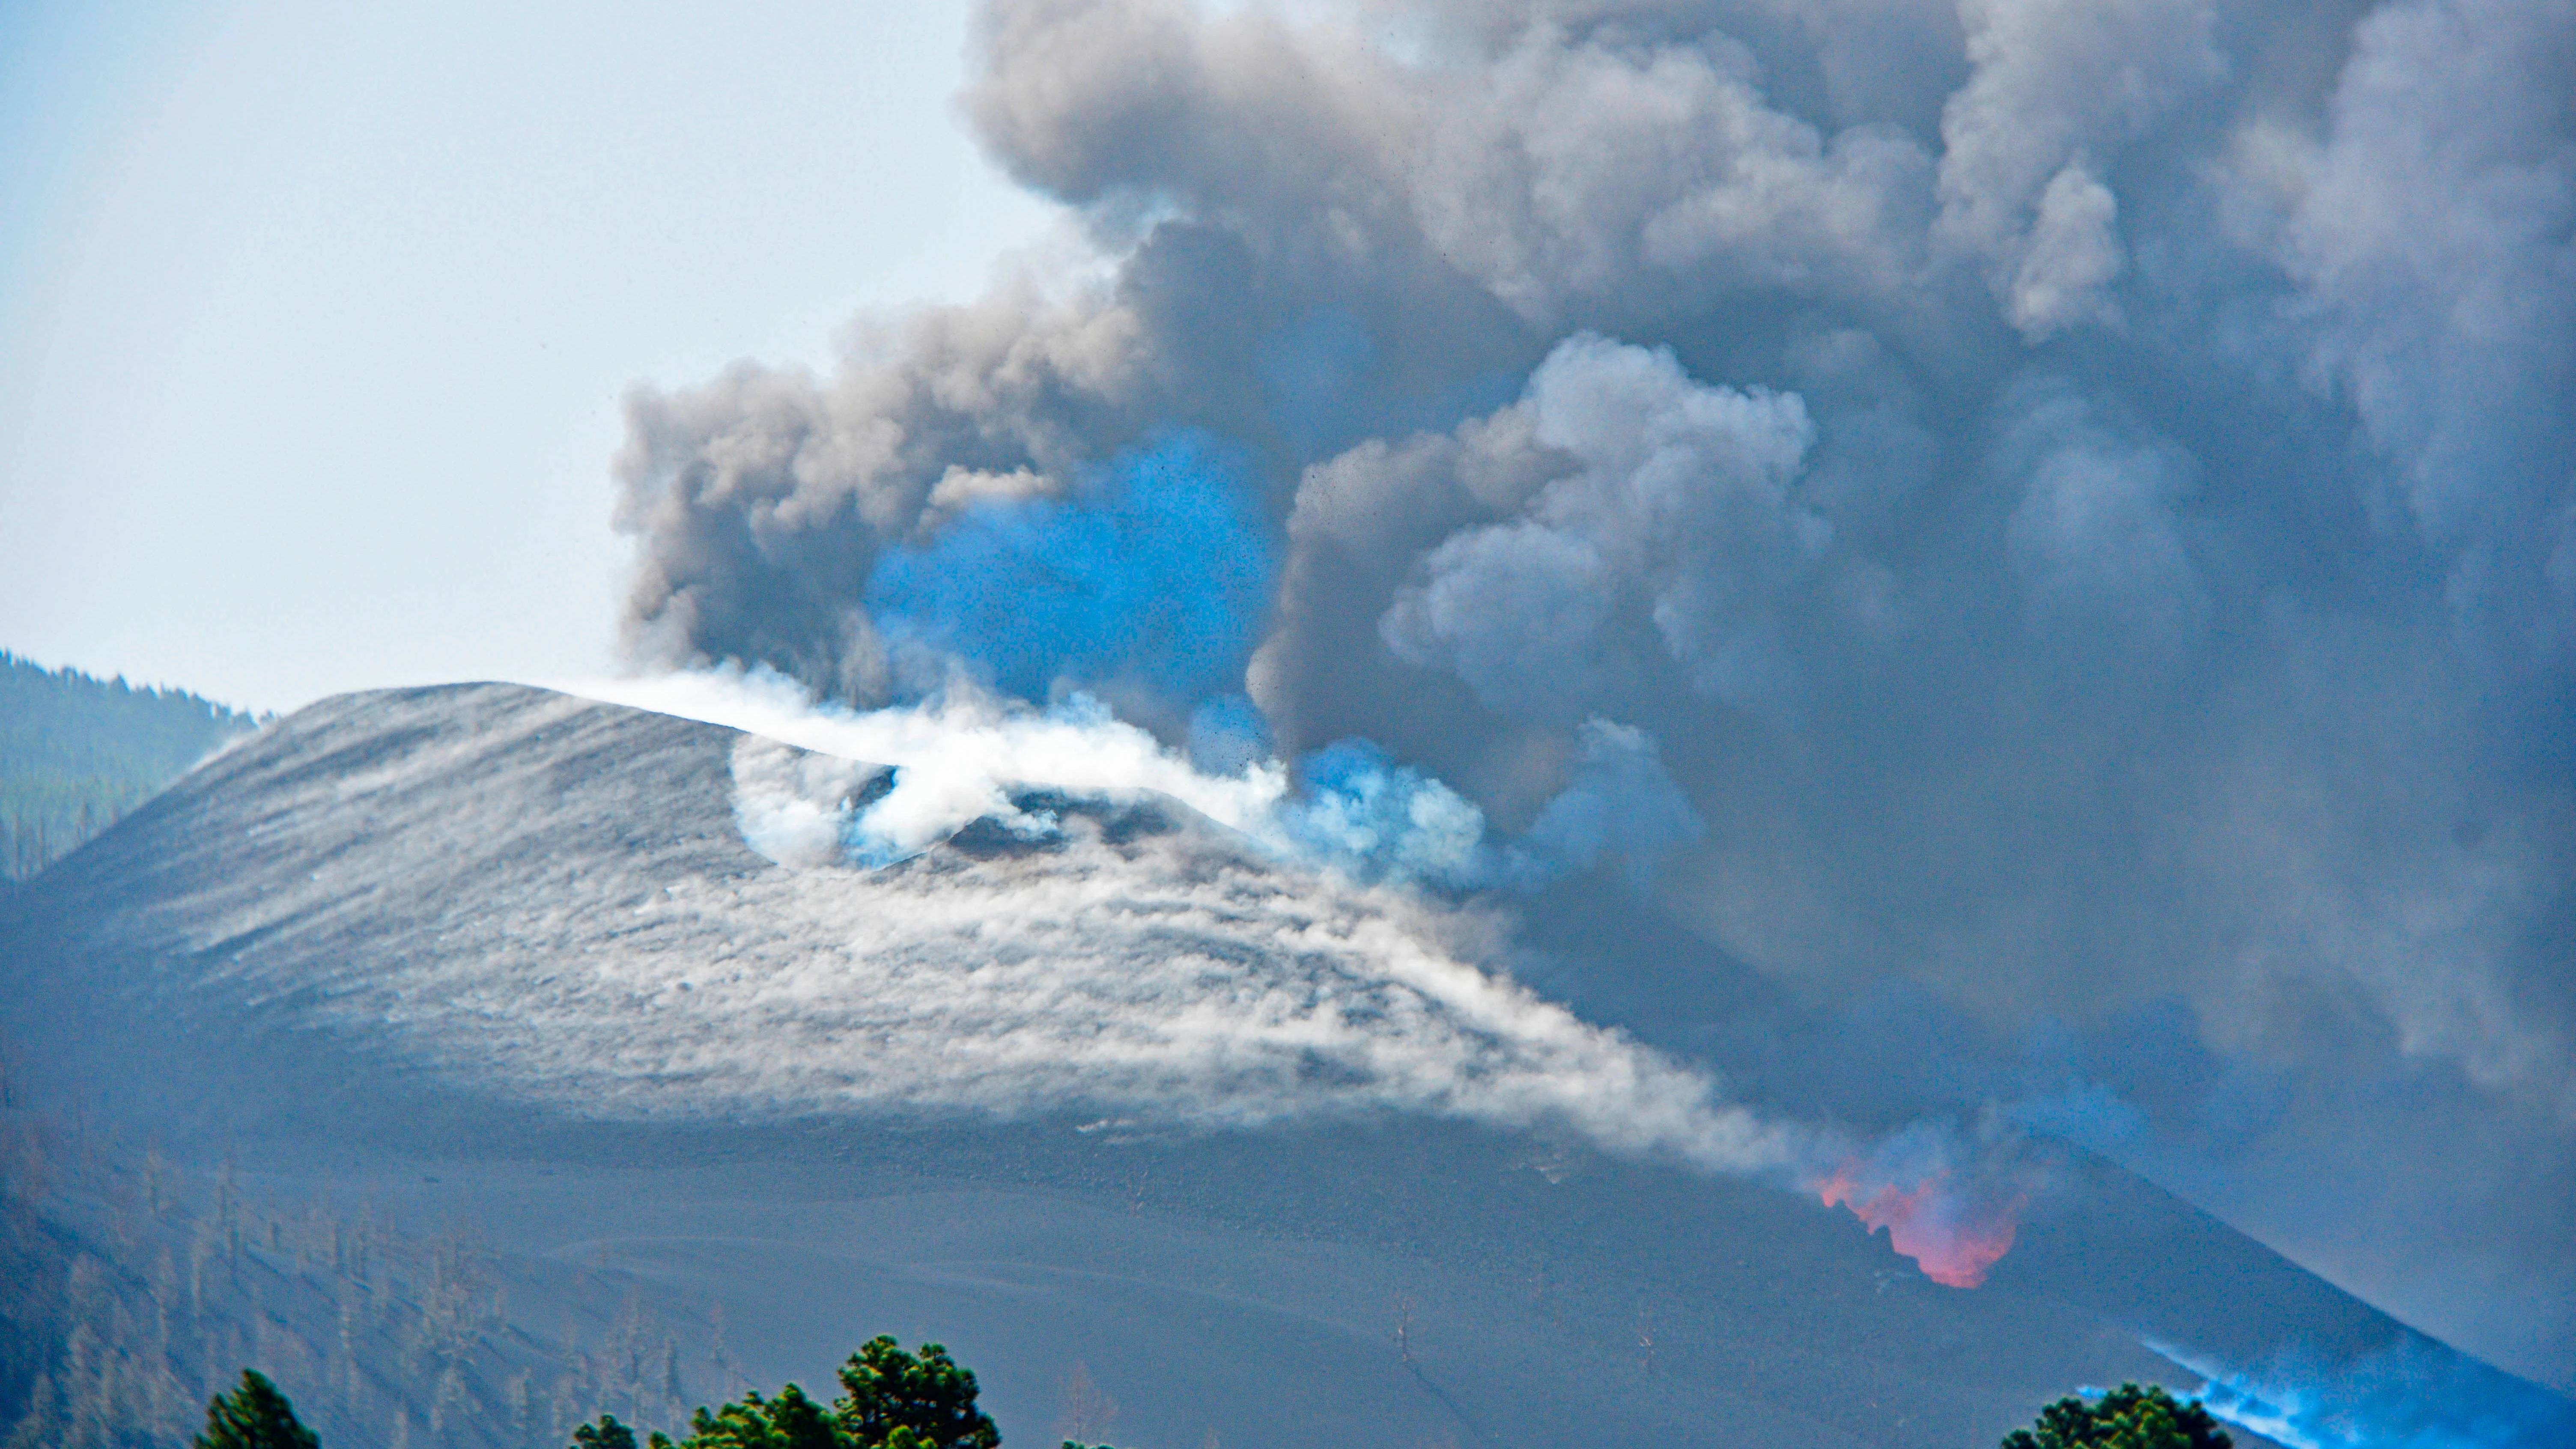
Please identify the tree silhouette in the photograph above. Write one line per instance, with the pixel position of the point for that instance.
(892, 1400)
(790, 1421)
(933, 1396)
(2128, 1417)
(606, 1434)
(254, 1416)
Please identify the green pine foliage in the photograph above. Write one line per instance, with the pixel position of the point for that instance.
(2128, 1417)
(254, 1416)
(608, 1434)
(77, 752)
(890, 1400)
(790, 1421)
(933, 1396)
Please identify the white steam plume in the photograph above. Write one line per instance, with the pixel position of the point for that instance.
(957, 758)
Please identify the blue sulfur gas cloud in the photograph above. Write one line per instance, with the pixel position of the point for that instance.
(2406, 1394)
(1375, 818)
(1154, 570)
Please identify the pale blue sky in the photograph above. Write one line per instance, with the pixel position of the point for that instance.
(314, 318)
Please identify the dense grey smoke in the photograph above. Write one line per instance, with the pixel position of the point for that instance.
(2080, 493)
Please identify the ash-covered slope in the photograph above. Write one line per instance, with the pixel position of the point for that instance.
(1119, 1109)
(543, 900)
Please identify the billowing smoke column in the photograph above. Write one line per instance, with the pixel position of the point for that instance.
(2078, 499)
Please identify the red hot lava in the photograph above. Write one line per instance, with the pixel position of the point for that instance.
(1954, 1237)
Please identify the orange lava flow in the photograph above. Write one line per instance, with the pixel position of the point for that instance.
(1953, 1239)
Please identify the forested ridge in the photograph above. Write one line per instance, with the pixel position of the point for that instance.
(133, 1286)
(77, 752)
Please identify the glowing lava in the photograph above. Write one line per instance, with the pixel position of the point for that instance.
(1954, 1237)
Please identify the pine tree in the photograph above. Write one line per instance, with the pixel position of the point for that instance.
(933, 1396)
(894, 1400)
(610, 1434)
(790, 1421)
(2128, 1417)
(254, 1416)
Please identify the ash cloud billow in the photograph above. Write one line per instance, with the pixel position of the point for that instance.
(2053, 521)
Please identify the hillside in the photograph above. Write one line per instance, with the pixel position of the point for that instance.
(452, 1053)
(77, 752)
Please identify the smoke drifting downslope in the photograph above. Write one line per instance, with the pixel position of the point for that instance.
(1094, 947)
(408, 875)
(2081, 500)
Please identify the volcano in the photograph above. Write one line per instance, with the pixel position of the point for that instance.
(479, 1057)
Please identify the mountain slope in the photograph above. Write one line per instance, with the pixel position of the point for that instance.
(1255, 1154)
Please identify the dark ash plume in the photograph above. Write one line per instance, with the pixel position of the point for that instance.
(2082, 499)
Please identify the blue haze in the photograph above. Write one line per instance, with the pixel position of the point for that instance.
(1153, 571)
